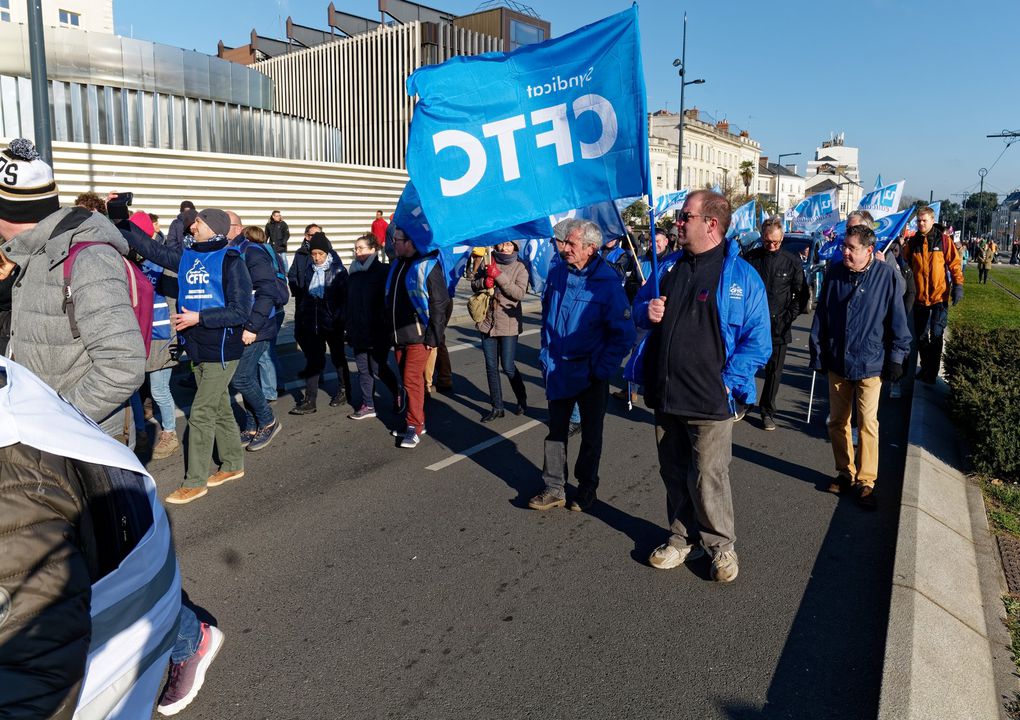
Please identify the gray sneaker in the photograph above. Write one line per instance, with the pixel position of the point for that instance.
(363, 412)
(667, 557)
(724, 566)
(265, 436)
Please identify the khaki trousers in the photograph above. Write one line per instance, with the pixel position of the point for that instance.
(843, 394)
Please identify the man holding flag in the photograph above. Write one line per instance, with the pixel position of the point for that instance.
(710, 334)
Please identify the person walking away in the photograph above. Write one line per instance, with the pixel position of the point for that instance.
(507, 278)
(319, 323)
(894, 255)
(213, 305)
(161, 361)
(783, 276)
(417, 305)
(258, 333)
(365, 324)
(709, 335)
(586, 332)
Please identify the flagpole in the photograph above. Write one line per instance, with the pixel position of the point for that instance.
(651, 239)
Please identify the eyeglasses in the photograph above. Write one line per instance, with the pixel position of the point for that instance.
(684, 216)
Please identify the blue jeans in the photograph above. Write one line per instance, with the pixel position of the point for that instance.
(269, 362)
(159, 384)
(499, 351)
(189, 635)
(257, 412)
(137, 412)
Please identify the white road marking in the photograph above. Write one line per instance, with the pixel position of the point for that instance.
(483, 445)
(464, 346)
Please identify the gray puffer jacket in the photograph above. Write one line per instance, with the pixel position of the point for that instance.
(100, 370)
(504, 318)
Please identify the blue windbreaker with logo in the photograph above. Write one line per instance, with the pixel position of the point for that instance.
(743, 319)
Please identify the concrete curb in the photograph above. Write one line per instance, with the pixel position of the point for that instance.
(945, 642)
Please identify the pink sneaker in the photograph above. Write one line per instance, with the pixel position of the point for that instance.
(186, 678)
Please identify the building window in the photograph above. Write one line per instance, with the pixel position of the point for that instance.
(70, 19)
(522, 33)
(5, 10)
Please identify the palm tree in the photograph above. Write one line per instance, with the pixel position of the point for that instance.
(746, 173)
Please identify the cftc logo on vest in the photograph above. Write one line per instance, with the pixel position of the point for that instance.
(198, 275)
(736, 292)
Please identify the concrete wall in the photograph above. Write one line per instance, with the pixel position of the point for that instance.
(341, 198)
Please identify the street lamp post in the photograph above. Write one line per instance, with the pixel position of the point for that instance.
(680, 64)
(40, 85)
(980, 219)
(779, 164)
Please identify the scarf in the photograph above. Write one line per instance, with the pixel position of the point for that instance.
(317, 285)
(358, 266)
(505, 258)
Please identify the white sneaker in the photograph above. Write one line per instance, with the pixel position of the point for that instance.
(667, 557)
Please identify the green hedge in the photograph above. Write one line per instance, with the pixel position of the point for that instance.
(983, 368)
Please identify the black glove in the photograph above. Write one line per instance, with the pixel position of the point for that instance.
(892, 371)
(957, 293)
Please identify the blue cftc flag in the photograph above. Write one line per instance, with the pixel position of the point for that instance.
(505, 138)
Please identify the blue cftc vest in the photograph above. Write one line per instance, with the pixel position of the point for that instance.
(161, 329)
(200, 277)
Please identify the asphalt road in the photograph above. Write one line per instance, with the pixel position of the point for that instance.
(354, 582)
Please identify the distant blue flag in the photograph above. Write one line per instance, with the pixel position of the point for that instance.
(878, 182)
(886, 230)
(717, 189)
(410, 217)
(883, 201)
(537, 255)
(605, 214)
(670, 201)
(500, 139)
(815, 212)
(743, 219)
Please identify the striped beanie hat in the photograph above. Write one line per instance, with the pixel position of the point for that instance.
(28, 192)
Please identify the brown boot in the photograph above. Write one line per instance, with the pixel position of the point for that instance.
(166, 446)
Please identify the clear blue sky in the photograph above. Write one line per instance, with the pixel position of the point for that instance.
(915, 84)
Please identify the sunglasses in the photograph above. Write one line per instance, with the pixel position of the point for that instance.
(684, 216)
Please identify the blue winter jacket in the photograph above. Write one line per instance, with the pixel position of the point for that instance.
(586, 327)
(743, 318)
(858, 327)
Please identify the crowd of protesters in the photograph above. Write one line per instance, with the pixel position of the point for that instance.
(698, 319)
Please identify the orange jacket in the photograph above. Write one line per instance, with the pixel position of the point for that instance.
(933, 258)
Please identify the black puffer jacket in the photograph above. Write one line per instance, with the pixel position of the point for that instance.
(366, 307)
(60, 532)
(787, 292)
(278, 234)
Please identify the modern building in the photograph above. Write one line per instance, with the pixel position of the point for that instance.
(171, 124)
(353, 75)
(779, 183)
(836, 166)
(713, 151)
(90, 15)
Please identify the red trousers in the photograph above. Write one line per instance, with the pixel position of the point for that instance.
(411, 360)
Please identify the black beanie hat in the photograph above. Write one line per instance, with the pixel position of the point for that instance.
(319, 241)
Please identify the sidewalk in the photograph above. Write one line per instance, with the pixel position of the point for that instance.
(947, 650)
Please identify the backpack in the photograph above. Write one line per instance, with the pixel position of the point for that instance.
(282, 286)
(140, 292)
